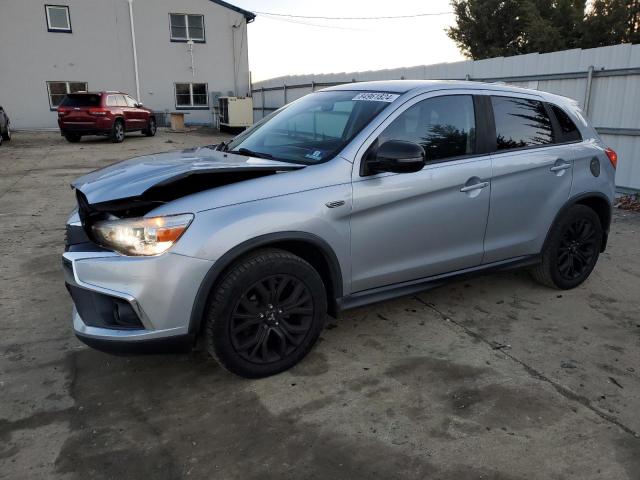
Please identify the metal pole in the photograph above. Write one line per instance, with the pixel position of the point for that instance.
(284, 93)
(313, 86)
(235, 61)
(262, 95)
(135, 53)
(587, 91)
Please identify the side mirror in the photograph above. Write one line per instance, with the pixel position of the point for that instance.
(396, 156)
(139, 104)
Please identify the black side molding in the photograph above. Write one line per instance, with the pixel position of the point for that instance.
(382, 294)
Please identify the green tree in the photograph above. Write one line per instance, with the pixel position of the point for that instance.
(612, 21)
(488, 28)
(491, 28)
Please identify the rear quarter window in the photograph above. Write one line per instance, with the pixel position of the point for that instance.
(568, 130)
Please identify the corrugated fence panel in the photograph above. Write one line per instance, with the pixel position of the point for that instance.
(614, 100)
(628, 166)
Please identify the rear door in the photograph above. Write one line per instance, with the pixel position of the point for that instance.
(531, 177)
(410, 226)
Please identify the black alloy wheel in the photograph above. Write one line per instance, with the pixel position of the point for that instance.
(572, 248)
(271, 319)
(265, 314)
(577, 249)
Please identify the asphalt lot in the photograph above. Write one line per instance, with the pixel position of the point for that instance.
(492, 378)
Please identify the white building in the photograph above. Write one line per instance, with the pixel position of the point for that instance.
(170, 55)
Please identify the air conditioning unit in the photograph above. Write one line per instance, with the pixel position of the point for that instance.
(235, 112)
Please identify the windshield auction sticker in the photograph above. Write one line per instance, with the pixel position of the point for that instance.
(376, 97)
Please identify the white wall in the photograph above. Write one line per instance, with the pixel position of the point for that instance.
(99, 52)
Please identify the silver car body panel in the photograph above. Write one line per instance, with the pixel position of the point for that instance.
(133, 177)
(383, 229)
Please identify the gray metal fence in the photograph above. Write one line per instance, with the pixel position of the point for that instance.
(605, 81)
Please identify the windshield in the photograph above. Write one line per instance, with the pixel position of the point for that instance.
(313, 129)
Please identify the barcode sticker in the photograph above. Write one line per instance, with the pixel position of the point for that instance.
(376, 97)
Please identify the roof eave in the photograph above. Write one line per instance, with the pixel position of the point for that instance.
(249, 16)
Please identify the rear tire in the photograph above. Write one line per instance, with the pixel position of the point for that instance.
(151, 129)
(72, 137)
(117, 132)
(266, 314)
(7, 134)
(572, 249)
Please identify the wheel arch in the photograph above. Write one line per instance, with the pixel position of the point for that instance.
(598, 202)
(311, 248)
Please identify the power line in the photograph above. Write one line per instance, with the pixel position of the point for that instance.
(302, 22)
(391, 17)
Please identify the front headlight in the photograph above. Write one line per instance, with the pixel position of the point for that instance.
(141, 236)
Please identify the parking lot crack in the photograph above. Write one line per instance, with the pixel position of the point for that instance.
(533, 372)
(28, 172)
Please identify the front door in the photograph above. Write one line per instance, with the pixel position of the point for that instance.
(414, 225)
(137, 117)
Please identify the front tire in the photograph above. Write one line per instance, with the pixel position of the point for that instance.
(572, 249)
(266, 314)
(151, 129)
(117, 132)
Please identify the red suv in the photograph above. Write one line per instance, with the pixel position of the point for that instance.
(103, 113)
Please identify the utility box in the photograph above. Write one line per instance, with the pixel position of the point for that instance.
(235, 112)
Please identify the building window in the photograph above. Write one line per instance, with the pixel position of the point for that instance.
(58, 90)
(186, 27)
(58, 19)
(192, 96)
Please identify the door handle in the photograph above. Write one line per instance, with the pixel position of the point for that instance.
(475, 186)
(560, 165)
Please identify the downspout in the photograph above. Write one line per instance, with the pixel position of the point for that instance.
(235, 61)
(135, 53)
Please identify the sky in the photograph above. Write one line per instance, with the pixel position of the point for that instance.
(290, 46)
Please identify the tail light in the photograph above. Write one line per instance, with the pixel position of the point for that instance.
(62, 111)
(613, 156)
(98, 111)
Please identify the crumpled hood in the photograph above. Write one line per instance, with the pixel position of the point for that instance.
(133, 177)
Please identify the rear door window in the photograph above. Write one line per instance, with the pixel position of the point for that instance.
(444, 126)
(521, 123)
(568, 129)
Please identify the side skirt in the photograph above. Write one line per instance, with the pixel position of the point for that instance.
(381, 294)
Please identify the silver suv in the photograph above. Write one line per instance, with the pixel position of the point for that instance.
(345, 197)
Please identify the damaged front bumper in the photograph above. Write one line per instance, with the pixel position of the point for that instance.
(131, 304)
